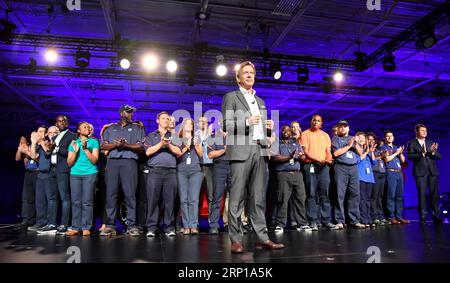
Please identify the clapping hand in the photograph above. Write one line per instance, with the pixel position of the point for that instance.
(434, 147)
(75, 146)
(372, 147)
(351, 142)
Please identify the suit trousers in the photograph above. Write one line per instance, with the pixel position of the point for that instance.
(248, 186)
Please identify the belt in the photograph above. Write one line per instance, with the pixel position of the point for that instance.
(394, 170)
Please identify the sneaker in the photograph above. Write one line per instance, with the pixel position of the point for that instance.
(367, 225)
(213, 231)
(386, 222)
(47, 229)
(108, 232)
(339, 226)
(319, 225)
(279, 229)
(61, 230)
(330, 226)
(376, 222)
(304, 228)
(34, 228)
(314, 227)
(151, 234)
(358, 226)
(170, 233)
(133, 231)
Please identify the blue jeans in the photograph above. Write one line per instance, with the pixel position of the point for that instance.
(189, 184)
(82, 193)
(395, 194)
(317, 181)
(221, 182)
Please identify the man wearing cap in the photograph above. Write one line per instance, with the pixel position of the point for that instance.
(394, 159)
(124, 140)
(316, 145)
(345, 150)
(423, 152)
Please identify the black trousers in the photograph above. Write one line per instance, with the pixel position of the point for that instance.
(432, 182)
(291, 187)
(29, 197)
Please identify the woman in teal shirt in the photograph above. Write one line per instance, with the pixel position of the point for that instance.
(82, 159)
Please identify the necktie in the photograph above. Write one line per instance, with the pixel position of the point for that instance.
(424, 150)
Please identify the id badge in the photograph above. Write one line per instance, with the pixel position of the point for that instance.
(381, 165)
(188, 161)
(311, 169)
(291, 161)
(398, 165)
(31, 161)
(349, 155)
(367, 171)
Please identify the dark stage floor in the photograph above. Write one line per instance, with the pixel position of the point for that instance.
(405, 243)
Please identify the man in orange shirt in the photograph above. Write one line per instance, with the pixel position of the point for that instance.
(317, 147)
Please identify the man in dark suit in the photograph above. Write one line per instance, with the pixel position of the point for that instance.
(245, 120)
(59, 160)
(423, 152)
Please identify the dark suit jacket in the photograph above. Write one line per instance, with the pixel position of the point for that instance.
(423, 164)
(235, 111)
(61, 161)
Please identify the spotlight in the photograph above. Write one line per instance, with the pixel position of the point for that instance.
(445, 211)
(171, 66)
(389, 64)
(51, 55)
(221, 70)
(150, 62)
(426, 40)
(275, 70)
(338, 76)
(302, 75)
(6, 30)
(125, 63)
(82, 58)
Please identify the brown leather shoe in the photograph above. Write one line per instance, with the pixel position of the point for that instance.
(237, 248)
(72, 233)
(86, 233)
(403, 221)
(394, 221)
(269, 245)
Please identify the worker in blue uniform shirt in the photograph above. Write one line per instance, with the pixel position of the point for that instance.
(123, 141)
(395, 184)
(344, 150)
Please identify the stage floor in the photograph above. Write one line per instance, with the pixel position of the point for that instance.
(396, 243)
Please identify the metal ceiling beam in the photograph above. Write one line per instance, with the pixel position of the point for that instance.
(75, 96)
(291, 24)
(12, 16)
(110, 16)
(6, 82)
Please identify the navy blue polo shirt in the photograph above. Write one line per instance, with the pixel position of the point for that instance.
(44, 159)
(394, 163)
(348, 158)
(195, 160)
(379, 166)
(163, 158)
(285, 149)
(216, 143)
(132, 133)
(31, 165)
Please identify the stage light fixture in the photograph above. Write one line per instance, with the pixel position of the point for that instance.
(389, 64)
(426, 39)
(150, 62)
(338, 76)
(82, 58)
(125, 63)
(6, 31)
(221, 70)
(302, 75)
(51, 55)
(171, 66)
(275, 70)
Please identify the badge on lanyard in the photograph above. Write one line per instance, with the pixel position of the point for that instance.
(291, 161)
(31, 161)
(381, 165)
(349, 154)
(398, 165)
(367, 170)
(311, 169)
(188, 161)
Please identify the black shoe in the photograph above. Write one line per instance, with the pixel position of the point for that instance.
(213, 231)
(225, 228)
(61, 230)
(437, 220)
(423, 220)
